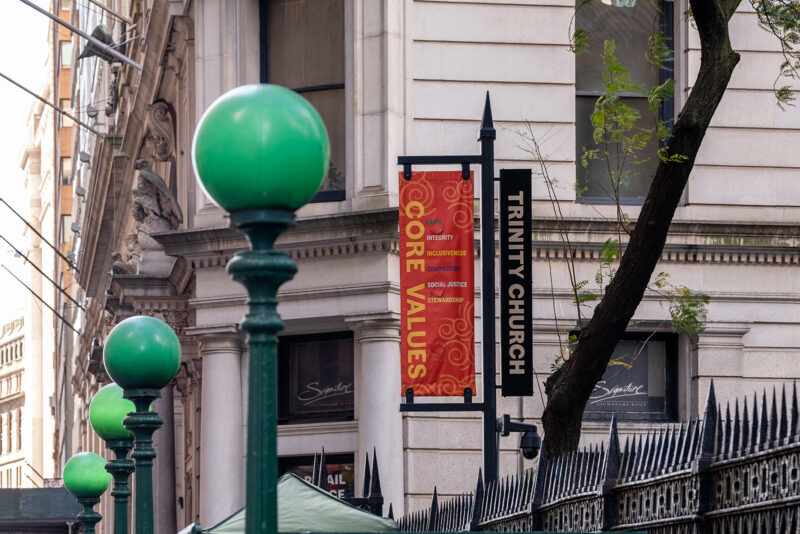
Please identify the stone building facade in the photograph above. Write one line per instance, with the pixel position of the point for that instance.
(390, 78)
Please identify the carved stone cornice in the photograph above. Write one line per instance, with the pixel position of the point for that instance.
(687, 241)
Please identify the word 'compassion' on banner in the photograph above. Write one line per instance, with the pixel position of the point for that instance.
(437, 283)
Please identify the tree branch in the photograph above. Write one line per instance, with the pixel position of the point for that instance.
(569, 388)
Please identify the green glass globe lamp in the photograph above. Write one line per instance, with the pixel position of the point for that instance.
(106, 412)
(85, 476)
(142, 352)
(260, 147)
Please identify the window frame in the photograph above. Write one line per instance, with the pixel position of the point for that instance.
(671, 400)
(284, 377)
(666, 111)
(263, 16)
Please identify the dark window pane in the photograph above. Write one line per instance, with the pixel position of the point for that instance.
(639, 383)
(330, 105)
(636, 172)
(306, 42)
(316, 378)
(629, 28)
(306, 52)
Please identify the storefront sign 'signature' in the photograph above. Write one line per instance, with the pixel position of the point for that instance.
(437, 283)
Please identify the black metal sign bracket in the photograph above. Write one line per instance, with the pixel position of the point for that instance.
(467, 406)
(464, 161)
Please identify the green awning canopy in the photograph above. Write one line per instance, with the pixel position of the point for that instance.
(303, 507)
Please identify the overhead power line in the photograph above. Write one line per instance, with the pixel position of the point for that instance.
(61, 289)
(106, 48)
(41, 300)
(58, 109)
(35, 231)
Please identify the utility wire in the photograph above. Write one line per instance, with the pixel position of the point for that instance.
(35, 231)
(41, 300)
(111, 12)
(58, 109)
(106, 48)
(61, 289)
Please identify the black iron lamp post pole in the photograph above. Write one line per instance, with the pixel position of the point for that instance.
(106, 413)
(261, 152)
(120, 468)
(262, 270)
(490, 449)
(143, 423)
(88, 517)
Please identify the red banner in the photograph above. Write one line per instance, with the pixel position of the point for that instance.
(437, 283)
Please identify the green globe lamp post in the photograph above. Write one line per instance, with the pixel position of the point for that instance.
(142, 354)
(261, 152)
(85, 476)
(106, 412)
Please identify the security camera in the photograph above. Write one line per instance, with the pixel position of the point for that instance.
(529, 444)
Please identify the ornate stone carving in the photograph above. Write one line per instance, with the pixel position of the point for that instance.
(161, 131)
(155, 208)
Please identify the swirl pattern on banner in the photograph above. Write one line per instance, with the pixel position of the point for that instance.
(420, 190)
(460, 197)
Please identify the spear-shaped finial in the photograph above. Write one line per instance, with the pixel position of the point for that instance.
(487, 125)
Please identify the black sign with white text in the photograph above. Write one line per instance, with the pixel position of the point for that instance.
(516, 283)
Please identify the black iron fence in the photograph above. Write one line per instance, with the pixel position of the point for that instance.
(733, 472)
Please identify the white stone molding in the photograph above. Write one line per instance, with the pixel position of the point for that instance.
(221, 440)
(377, 375)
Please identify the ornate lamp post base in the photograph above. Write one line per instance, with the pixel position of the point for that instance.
(120, 468)
(88, 517)
(262, 270)
(143, 423)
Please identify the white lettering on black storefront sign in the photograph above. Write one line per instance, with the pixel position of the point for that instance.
(516, 283)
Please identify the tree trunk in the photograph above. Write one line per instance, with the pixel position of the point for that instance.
(569, 388)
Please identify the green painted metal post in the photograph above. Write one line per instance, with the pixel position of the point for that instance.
(262, 270)
(143, 423)
(88, 517)
(261, 152)
(120, 468)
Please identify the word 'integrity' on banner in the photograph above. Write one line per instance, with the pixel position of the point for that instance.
(437, 284)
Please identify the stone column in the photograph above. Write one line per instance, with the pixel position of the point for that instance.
(380, 425)
(164, 464)
(221, 461)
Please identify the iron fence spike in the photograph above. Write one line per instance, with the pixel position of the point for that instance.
(756, 425)
(727, 438)
(745, 439)
(669, 446)
(365, 485)
(762, 434)
(323, 471)
(793, 424)
(707, 437)
(735, 445)
(432, 518)
(783, 430)
(375, 486)
(773, 423)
